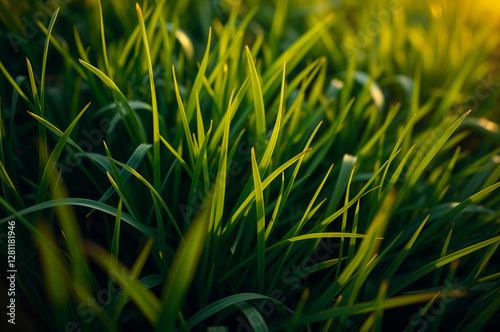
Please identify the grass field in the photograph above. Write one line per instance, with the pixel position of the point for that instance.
(232, 165)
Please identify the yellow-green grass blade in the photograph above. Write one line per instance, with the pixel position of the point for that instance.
(16, 86)
(344, 220)
(223, 60)
(395, 150)
(218, 201)
(120, 187)
(219, 130)
(415, 175)
(6, 179)
(396, 263)
(445, 177)
(261, 224)
(454, 210)
(63, 51)
(395, 176)
(44, 61)
(42, 134)
(132, 39)
(200, 162)
(266, 158)
(178, 157)
(167, 43)
(296, 170)
(443, 261)
(304, 78)
(59, 133)
(379, 311)
(363, 261)
(276, 208)
(121, 194)
(137, 131)
(368, 146)
(36, 100)
(364, 191)
(352, 241)
(368, 307)
(81, 49)
(156, 125)
(145, 300)
(294, 54)
(52, 160)
(199, 121)
(103, 42)
(282, 243)
(154, 192)
(198, 81)
(258, 102)
(235, 216)
(134, 273)
(161, 233)
(296, 229)
(201, 137)
(346, 168)
(453, 91)
(185, 121)
(328, 138)
(277, 26)
(182, 270)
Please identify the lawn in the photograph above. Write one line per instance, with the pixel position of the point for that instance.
(232, 165)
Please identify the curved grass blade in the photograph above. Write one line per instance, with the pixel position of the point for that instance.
(443, 261)
(52, 160)
(85, 203)
(258, 102)
(154, 192)
(137, 130)
(226, 302)
(134, 273)
(156, 125)
(145, 300)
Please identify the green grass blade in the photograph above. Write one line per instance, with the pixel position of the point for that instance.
(224, 303)
(261, 223)
(154, 192)
(52, 160)
(85, 203)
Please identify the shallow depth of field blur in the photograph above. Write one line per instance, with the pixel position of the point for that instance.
(230, 165)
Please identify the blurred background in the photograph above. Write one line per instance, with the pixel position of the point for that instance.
(388, 39)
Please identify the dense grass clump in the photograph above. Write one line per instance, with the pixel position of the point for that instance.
(239, 166)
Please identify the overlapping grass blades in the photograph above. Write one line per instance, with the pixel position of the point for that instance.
(240, 220)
